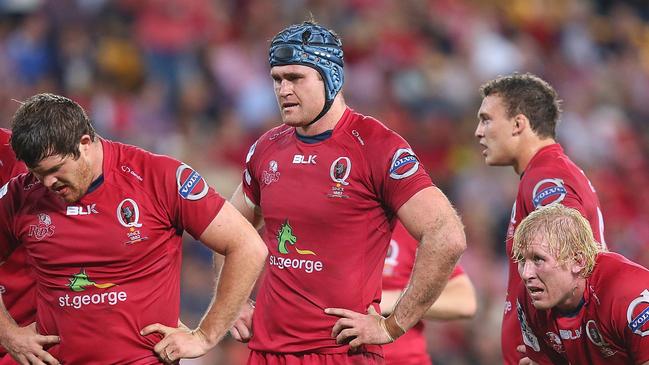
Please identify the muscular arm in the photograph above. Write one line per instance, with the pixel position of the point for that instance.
(232, 236)
(457, 301)
(247, 208)
(429, 217)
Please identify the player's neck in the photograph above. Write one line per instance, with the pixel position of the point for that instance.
(528, 149)
(97, 158)
(328, 121)
(575, 300)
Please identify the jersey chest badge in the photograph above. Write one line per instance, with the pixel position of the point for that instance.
(271, 175)
(592, 331)
(44, 227)
(339, 172)
(128, 215)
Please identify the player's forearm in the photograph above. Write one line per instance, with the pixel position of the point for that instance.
(438, 252)
(240, 270)
(7, 323)
(457, 301)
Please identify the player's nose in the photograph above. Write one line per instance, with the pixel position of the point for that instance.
(49, 181)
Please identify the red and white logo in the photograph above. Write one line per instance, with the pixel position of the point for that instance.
(43, 229)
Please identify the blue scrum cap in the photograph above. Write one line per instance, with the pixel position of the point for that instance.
(311, 45)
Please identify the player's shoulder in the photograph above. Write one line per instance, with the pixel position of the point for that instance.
(137, 167)
(135, 163)
(369, 131)
(5, 135)
(273, 137)
(625, 272)
(23, 188)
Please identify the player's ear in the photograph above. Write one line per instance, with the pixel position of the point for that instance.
(578, 263)
(520, 124)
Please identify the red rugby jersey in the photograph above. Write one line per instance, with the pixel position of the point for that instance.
(549, 177)
(16, 278)
(329, 208)
(109, 264)
(611, 328)
(409, 349)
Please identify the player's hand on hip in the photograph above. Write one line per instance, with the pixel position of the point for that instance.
(26, 346)
(242, 328)
(526, 360)
(357, 328)
(178, 343)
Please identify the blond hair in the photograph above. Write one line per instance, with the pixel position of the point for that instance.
(566, 231)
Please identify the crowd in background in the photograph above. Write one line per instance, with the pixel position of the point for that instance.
(190, 78)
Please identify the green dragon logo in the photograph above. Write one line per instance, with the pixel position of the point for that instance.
(284, 235)
(80, 281)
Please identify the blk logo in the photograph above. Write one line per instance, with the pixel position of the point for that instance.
(305, 160)
(79, 210)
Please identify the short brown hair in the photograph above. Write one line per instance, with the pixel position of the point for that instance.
(566, 232)
(529, 95)
(46, 125)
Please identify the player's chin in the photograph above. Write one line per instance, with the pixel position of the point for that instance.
(541, 304)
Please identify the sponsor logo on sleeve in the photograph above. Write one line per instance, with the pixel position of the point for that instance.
(191, 185)
(528, 335)
(548, 191)
(637, 314)
(594, 335)
(404, 164)
(44, 227)
(128, 215)
(79, 283)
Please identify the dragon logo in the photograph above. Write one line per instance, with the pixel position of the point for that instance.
(285, 235)
(80, 281)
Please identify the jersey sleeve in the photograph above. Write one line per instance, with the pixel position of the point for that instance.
(396, 172)
(250, 182)
(544, 186)
(631, 315)
(9, 165)
(8, 207)
(185, 195)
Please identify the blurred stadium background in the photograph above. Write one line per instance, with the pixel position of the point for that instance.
(189, 78)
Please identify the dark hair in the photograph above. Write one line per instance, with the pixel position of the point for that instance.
(529, 95)
(46, 125)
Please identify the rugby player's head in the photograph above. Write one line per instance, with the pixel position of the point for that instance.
(54, 137)
(555, 251)
(314, 46)
(529, 95)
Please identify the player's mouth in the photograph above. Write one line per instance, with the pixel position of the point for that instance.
(535, 292)
(287, 106)
(484, 151)
(61, 189)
